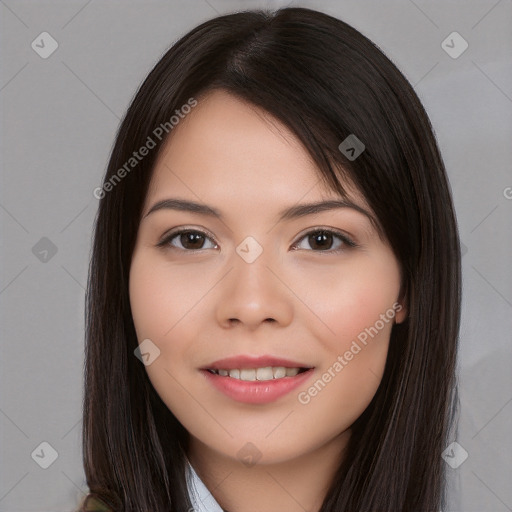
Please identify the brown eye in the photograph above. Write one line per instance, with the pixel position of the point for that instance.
(322, 240)
(192, 240)
(188, 240)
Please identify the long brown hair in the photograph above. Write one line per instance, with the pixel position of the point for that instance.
(324, 80)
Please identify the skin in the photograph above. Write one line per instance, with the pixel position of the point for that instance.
(203, 305)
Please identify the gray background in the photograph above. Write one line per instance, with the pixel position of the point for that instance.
(59, 117)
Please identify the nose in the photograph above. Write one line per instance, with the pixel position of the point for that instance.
(254, 293)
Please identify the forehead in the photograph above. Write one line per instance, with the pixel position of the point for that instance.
(228, 149)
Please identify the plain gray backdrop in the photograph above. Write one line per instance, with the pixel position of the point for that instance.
(59, 118)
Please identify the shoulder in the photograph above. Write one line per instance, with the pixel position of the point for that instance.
(93, 503)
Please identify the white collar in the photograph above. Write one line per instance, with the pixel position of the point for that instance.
(201, 498)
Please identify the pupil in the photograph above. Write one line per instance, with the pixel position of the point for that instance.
(320, 238)
(191, 238)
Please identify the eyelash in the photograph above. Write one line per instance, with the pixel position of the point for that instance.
(348, 242)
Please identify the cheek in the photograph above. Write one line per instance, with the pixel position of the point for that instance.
(146, 299)
(353, 319)
(161, 312)
(162, 297)
(351, 299)
(166, 305)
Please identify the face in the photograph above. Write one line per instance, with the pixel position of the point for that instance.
(319, 291)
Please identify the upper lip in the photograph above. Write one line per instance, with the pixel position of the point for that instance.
(247, 361)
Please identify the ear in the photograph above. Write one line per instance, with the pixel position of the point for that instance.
(400, 307)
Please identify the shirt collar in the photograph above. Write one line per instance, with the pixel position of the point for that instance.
(201, 498)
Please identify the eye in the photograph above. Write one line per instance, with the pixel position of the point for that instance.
(188, 239)
(322, 241)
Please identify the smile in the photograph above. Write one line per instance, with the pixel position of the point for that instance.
(259, 374)
(242, 385)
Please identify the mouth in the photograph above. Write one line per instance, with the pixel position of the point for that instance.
(256, 379)
(262, 385)
(265, 373)
(251, 367)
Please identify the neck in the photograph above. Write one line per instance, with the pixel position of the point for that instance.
(293, 485)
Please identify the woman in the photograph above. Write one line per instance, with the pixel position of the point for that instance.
(274, 291)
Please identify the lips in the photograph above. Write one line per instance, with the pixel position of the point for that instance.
(257, 392)
(236, 377)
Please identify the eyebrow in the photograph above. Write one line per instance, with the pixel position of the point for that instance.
(292, 212)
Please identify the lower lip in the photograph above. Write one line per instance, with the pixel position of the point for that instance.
(256, 392)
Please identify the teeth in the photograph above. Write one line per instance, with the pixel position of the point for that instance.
(264, 373)
(291, 372)
(254, 374)
(279, 372)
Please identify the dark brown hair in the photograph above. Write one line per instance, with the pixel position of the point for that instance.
(324, 80)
